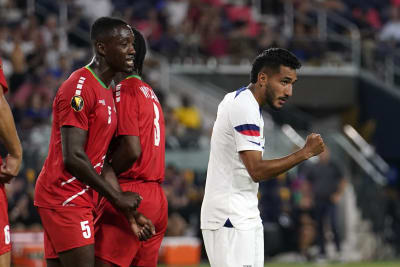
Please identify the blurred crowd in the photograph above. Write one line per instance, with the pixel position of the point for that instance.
(40, 46)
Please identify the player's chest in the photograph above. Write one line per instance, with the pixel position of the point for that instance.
(104, 112)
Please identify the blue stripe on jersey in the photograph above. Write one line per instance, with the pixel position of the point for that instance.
(247, 127)
(240, 90)
(258, 144)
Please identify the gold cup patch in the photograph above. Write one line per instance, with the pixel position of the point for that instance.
(77, 103)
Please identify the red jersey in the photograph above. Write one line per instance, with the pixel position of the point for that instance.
(83, 101)
(139, 114)
(3, 81)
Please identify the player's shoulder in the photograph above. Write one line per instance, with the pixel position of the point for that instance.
(242, 100)
(81, 76)
(78, 83)
(128, 82)
(135, 86)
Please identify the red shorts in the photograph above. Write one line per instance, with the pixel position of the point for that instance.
(5, 241)
(66, 228)
(115, 241)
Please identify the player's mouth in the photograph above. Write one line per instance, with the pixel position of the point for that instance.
(130, 62)
(282, 100)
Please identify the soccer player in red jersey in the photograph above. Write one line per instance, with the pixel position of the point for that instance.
(139, 161)
(84, 121)
(9, 168)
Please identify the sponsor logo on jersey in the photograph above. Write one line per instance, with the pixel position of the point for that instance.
(77, 103)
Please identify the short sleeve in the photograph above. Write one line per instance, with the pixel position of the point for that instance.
(246, 123)
(126, 102)
(3, 81)
(76, 103)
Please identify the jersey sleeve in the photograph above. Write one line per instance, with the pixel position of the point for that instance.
(127, 104)
(245, 123)
(3, 81)
(76, 103)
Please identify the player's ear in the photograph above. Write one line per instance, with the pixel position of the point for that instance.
(100, 48)
(262, 78)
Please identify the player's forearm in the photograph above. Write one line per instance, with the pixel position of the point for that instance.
(8, 132)
(110, 176)
(121, 162)
(79, 166)
(267, 169)
(126, 153)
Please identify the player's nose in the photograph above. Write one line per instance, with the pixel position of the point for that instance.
(289, 90)
(131, 49)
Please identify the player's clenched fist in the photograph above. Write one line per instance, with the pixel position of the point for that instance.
(10, 168)
(128, 202)
(314, 145)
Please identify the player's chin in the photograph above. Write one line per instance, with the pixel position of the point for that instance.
(127, 69)
(277, 106)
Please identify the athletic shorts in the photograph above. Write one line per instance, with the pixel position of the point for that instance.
(5, 241)
(115, 241)
(66, 228)
(230, 247)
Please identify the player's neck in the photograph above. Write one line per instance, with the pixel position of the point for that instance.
(256, 93)
(120, 76)
(102, 70)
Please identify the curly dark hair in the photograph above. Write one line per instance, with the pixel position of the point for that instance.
(272, 59)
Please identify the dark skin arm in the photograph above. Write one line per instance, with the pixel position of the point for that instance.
(127, 151)
(9, 137)
(261, 170)
(77, 163)
(142, 227)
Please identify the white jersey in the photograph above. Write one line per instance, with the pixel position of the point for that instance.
(230, 192)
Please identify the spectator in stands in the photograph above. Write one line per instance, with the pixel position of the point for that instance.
(303, 214)
(328, 184)
(391, 30)
(189, 117)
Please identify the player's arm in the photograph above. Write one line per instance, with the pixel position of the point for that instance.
(142, 227)
(109, 175)
(10, 139)
(127, 151)
(77, 163)
(261, 170)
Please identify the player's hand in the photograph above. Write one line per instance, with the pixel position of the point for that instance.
(10, 168)
(128, 202)
(314, 145)
(141, 226)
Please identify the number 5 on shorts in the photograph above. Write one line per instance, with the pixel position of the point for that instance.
(86, 229)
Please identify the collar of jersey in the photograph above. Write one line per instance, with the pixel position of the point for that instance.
(95, 76)
(133, 76)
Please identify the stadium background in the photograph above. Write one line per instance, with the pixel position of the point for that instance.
(199, 49)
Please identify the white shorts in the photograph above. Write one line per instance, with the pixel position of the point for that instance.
(230, 247)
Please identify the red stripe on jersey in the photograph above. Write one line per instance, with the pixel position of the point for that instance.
(250, 132)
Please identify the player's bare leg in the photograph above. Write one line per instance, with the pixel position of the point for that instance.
(102, 263)
(82, 257)
(5, 259)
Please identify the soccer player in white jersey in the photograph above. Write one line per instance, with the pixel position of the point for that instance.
(230, 219)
